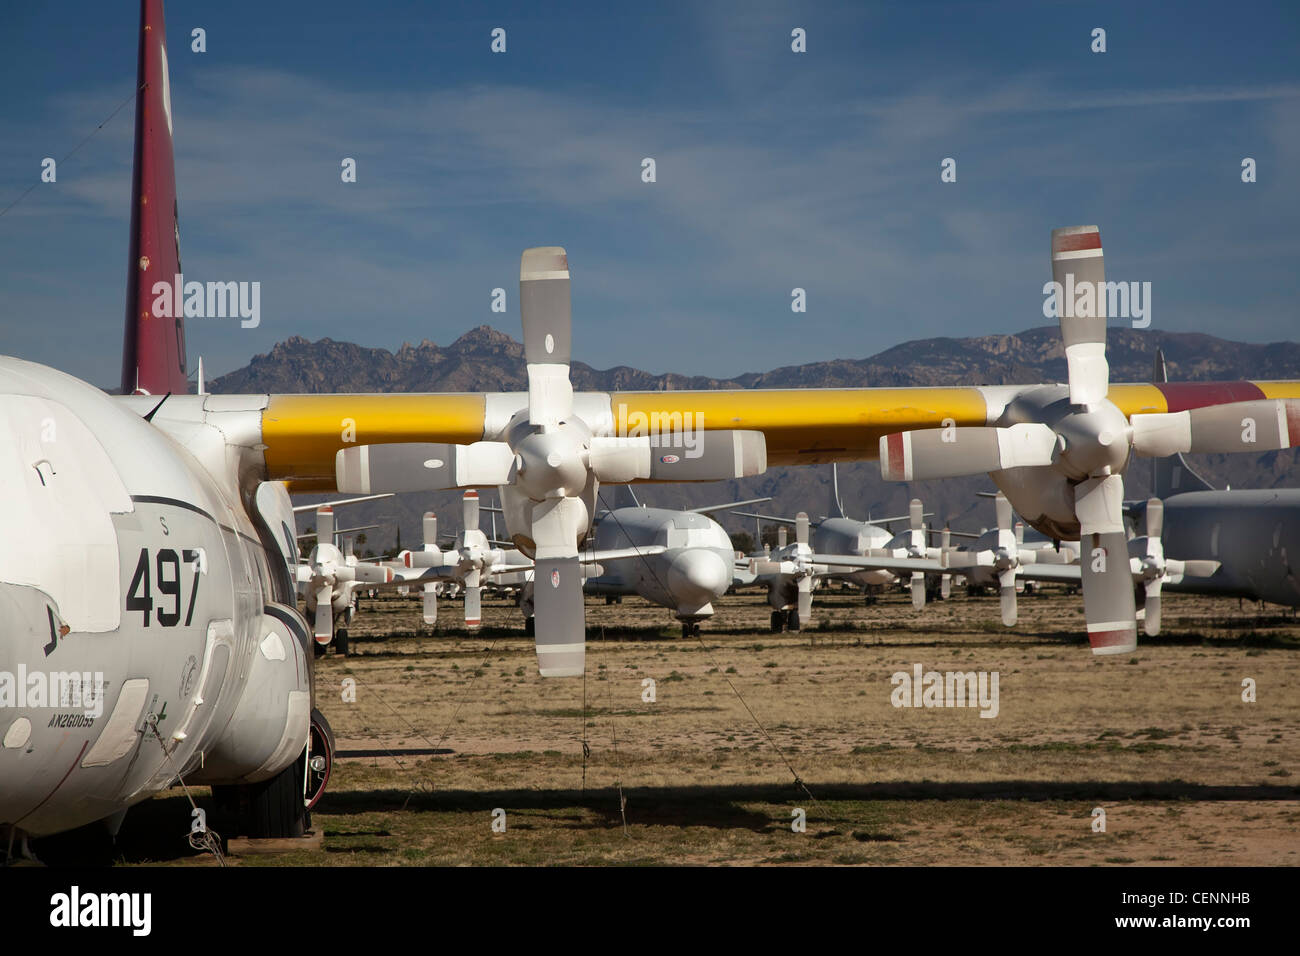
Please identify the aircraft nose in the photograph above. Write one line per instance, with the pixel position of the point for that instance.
(698, 574)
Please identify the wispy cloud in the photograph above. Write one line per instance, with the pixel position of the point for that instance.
(821, 173)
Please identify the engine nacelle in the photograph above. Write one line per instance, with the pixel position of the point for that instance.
(1043, 497)
(271, 724)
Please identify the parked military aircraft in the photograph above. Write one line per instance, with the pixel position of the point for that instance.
(150, 630)
(836, 533)
(790, 578)
(998, 558)
(163, 552)
(331, 576)
(681, 560)
(475, 561)
(1253, 534)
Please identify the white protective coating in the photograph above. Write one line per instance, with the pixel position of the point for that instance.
(272, 647)
(297, 723)
(18, 733)
(119, 734)
(69, 488)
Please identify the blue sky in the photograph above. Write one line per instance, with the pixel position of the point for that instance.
(775, 170)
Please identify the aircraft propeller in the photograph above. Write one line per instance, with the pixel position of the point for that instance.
(795, 561)
(1090, 444)
(1155, 569)
(548, 464)
(330, 572)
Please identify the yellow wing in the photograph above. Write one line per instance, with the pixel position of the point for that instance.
(302, 433)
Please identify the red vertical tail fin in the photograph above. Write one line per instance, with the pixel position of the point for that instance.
(153, 350)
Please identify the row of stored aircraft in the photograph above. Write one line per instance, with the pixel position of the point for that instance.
(681, 560)
(160, 556)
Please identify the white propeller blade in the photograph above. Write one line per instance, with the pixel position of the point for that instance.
(473, 599)
(546, 310)
(323, 630)
(1079, 273)
(713, 456)
(1263, 425)
(429, 605)
(1108, 603)
(1007, 595)
(324, 525)
(422, 466)
(957, 452)
(559, 617)
(469, 510)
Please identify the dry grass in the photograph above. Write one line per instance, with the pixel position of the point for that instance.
(449, 725)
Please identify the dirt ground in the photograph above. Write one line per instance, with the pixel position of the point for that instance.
(452, 731)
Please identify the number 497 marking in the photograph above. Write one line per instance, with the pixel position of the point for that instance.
(167, 577)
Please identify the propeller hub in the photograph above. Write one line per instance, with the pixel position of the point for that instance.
(324, 559)
(1096, 441)
(554, 462)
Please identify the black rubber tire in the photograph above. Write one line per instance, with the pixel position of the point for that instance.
(792, 619)
(341, 644)
(530, 626)
(275, 806)
(778, 621)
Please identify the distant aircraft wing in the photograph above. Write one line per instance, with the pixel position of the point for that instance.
(838, 561)
(1062, 573)
(403, 576)
(590, 557)
(620, 554)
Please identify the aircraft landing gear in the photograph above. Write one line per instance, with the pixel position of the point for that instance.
(690, 629)
(341, 642)
(320, 758)
(281, 806)
(778, 622)
(271, 808)
(792, 619)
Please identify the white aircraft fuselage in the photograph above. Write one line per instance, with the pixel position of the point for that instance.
(695, 570)
(854, 538)
(157, 571)
(1254, 534)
